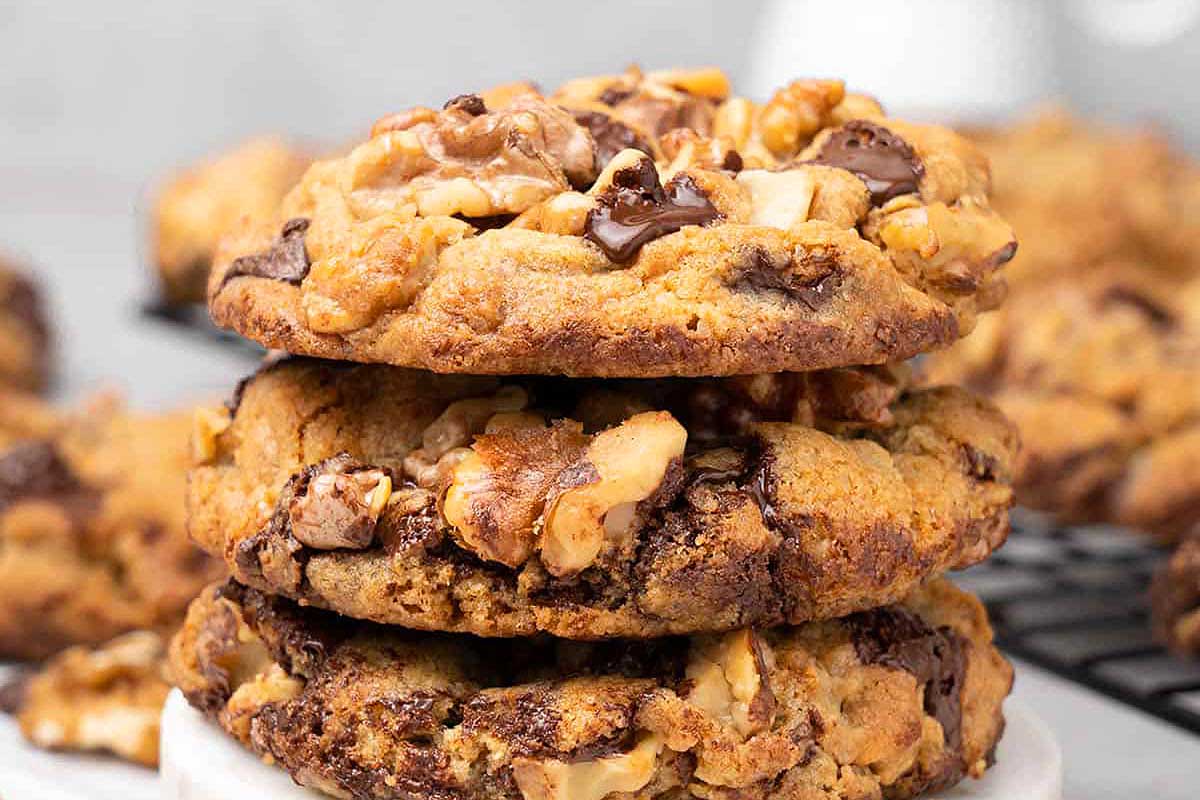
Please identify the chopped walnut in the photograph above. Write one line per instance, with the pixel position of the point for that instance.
(653, 103)
(340, 509)
(630, 462)
(207, 425)
(685, 148)
(729, 680)
(796, 113)
(564, 214)
(594, 779)
(471, 160)
(444, 442)
(778, 199)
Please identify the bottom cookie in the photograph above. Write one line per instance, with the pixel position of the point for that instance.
(1175, 599)
(897, 701)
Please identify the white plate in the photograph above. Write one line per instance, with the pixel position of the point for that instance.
(200, 762)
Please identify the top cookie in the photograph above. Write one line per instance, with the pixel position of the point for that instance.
(637, 225)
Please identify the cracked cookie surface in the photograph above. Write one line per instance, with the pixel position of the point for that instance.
(637, 225)
(200, 204)
(894, 702)
(592, 509)
(92, 535)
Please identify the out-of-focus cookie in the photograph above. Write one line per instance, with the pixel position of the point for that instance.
(26, 346)
(894, 702)
(635, 225)
(92, 535)
(592, 509)
(200, 204)
(1175, 598)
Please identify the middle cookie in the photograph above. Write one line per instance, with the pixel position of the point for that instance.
(589, 509)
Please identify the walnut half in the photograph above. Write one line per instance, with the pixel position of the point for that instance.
(552, 779)
(730, 682)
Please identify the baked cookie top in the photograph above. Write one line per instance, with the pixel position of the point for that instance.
(197, 205)
(105, 699)
(636, 225)
(895, 702)
(1102, 377)
(92, 535)
(592, 509)
(26, 346)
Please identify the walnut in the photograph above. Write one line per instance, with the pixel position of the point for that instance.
(630, 462)
(684, 148)
(796, 112)
(454, 429)
(778, 199)
(729, 680)
(593, 779)
(340, 509)
(652, 103)
(564, 214)
(469, 160)
(207, 425)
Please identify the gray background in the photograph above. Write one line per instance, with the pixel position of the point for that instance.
(97, 99)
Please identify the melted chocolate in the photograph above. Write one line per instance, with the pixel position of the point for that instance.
(611, 136)
(637, 209)
(470, 103)
(286, 260)
(880, 158)
(762, 273)
(35, 469)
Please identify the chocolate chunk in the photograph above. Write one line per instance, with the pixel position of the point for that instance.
(880, 158)
(611, 136)
(286, 260)
(733, 162)
(897, 638)
(615, 94)
(761, 272)
(470, 103)
(24, 302)
(35, 469)
(637, 209)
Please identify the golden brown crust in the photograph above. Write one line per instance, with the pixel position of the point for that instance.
(92, 536)
(200, 204)
(596, 509)
(588, 234)
(896, 702)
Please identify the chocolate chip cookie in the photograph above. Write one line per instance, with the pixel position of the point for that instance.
(636, 225)
(1175, 598)
(92, 535)
(105, 699)
(198, 205)
(1101, 374)
(895, 702)
(25, 342)
(591, 509)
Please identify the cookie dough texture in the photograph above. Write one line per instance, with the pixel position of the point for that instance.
(92, 536)
(893, 702)
(1101, 374)
(1175, 598)
(106, 699)
(198, 205)
(26, 346)
(591, 509)
(635, 225)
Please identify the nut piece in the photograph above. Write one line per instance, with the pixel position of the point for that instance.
(796, 112)
(454, 429)
(630, 462)
(729, 681)
(589, 780)
(207, 425)
(778, 199)
(340, 509)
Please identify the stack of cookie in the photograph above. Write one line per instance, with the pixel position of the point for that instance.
(659, 467)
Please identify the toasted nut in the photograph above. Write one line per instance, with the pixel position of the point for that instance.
(589, 780)
(729, 680)
(628, 158)
(340, 509)
(796, 112)
(778, 199)
(708, 82)
(207, 425)
(564, 214)
(630, 462)
(454, 429)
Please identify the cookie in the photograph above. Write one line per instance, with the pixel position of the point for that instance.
(896, 702)
(26, 349)
(1175, 598)
(92, 534)
(198, 205)
(591, 509)
(106, 699)
(639, 225)
(1101, 374)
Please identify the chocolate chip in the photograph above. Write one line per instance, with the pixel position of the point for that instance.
(733, 162)
(880, 158)
(637, 209)
(35, 469)
(761, 272)
(285, 260)
(469, 103)
(615, 94)
(611, 136)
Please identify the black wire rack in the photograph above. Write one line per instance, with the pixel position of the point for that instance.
(1074, 600)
